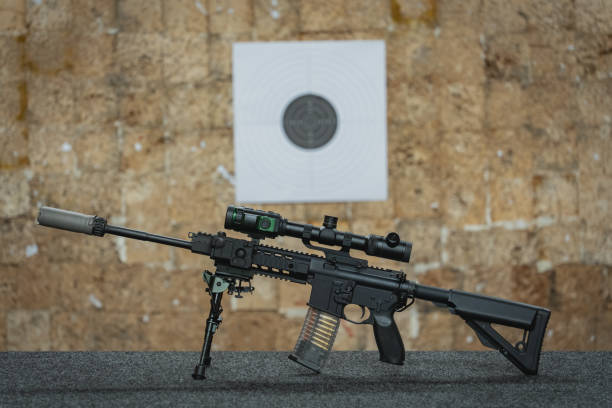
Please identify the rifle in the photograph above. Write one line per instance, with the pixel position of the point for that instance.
(337, 280)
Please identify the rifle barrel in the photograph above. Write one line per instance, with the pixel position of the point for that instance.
(145, 236)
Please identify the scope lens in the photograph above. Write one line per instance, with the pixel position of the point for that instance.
(237, 219)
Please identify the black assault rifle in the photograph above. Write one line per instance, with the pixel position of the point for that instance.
(337, 280)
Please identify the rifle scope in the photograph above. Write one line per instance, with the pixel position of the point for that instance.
(267, 224)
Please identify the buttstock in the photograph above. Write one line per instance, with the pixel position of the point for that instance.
(480, 312)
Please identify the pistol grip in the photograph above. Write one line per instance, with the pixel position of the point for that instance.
(388, 339)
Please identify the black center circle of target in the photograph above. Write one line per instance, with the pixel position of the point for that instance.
(310, 121)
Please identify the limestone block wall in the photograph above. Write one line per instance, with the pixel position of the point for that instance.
(500, 152)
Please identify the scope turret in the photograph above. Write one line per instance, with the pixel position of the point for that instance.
(266, 224)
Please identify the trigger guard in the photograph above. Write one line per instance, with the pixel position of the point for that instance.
(369, 320)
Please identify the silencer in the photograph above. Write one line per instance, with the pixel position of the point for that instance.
(71, 221)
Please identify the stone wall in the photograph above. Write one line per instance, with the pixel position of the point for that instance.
(499, 118)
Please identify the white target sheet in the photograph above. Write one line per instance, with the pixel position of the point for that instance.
(310, 121)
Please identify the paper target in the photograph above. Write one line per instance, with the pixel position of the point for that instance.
(310, 121)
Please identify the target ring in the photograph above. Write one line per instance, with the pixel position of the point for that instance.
(310, 121)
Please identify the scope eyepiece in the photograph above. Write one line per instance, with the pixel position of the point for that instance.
(389, 247)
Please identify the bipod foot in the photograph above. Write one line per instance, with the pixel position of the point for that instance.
(199, 373)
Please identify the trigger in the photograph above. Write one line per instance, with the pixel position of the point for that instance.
(368, 320)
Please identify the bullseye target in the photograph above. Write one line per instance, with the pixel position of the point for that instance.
(310, 121)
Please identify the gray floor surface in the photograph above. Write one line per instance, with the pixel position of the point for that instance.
(269, 379)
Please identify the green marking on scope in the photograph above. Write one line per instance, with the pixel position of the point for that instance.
(261, 219)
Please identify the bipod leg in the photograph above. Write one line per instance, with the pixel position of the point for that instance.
(213, 321)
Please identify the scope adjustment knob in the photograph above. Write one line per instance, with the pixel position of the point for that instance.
(392, 239)
(330, 222)
(264, 223)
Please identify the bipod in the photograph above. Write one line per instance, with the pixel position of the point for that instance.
(216, 287)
